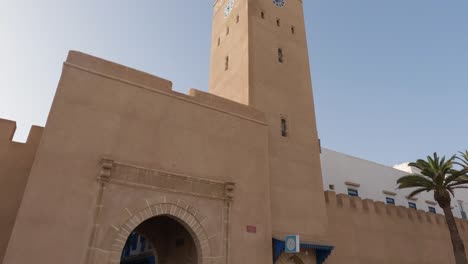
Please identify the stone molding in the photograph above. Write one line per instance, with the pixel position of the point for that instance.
(389, 193)
(411, 198)
(352, 184)
(140, 177)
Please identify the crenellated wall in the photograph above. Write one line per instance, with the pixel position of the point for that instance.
(16, 160)
(365, 231)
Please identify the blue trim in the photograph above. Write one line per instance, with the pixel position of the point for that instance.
(321, 251)
(278, 248)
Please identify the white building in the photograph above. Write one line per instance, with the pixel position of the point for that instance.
(369, 180)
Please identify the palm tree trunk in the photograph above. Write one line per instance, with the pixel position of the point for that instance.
(457, 242)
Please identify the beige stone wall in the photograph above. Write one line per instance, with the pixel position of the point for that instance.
(364, 231)
(102, 109)
(16, 160)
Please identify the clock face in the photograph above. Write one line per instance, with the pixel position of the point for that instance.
(279, 3)
(228, 8)
(290, 244)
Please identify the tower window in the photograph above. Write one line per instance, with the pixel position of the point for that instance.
(262, 15)
(293, 30)
(227, 31)
(284, 127)
(219, 41)
(226, 63)
(237, 19)
(280, 55)
(278, 23)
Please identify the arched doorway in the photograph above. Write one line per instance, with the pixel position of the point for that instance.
(160, 240)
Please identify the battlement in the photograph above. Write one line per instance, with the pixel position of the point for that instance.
(366, 206)
(142, 80)
(8, 129)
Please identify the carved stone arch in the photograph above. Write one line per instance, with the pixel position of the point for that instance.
(190, 221)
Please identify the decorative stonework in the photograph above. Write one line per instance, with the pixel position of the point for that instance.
(229, 189)
(106, 167)
(139, 177)
(188, 218)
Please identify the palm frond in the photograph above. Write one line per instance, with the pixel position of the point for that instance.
(417, 191)
(456, 176)
(462, 160)
(414, 180)
(458, 183)
(451, 192)
(460, 187)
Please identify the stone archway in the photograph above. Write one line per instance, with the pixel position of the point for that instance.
(160, 238)
(173, 213)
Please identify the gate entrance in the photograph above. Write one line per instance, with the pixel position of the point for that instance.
(160, 240)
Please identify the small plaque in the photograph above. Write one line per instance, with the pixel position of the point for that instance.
(292, 244)
(251, 229)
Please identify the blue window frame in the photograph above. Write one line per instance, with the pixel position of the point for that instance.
(432, 209)
(389, 200)
(353, 192)
(412, 205)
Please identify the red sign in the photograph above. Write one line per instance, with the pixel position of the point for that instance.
(251, 229)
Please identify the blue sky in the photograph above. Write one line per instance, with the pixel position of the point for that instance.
(390, 77)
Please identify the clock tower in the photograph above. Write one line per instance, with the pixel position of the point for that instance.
(259, 57)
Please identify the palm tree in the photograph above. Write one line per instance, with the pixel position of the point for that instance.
(439, 175)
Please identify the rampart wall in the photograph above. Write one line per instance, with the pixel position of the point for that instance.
(365, 231)
(105, 110)
(16, 160)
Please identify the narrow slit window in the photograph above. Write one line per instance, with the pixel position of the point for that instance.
(284, 127)
(227, 31)
(280, 55)
(262, 15)
(219, 41)
(278, 22)
(293, 30)
(226, 63)
(237, 19)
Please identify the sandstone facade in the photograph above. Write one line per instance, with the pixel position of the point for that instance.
(206, 177)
